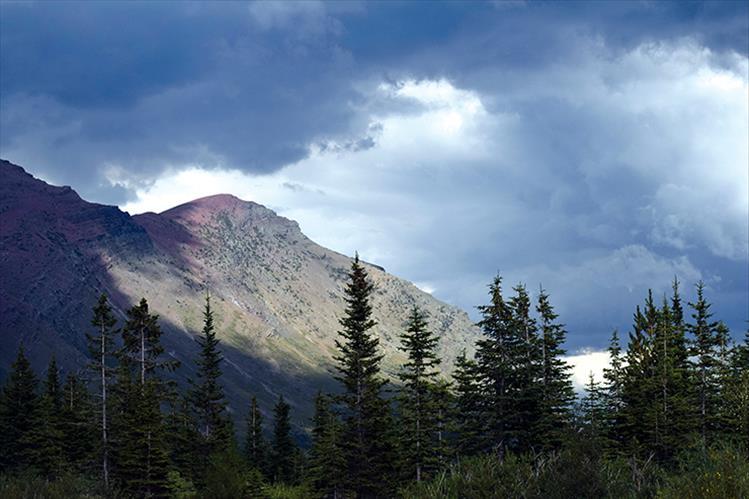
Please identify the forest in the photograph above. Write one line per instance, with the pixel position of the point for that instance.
(669, 420)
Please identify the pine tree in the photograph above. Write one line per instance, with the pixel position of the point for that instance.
(184, 440)
(18, 415)
(418, 404)
(207, 395)
(101, 345)
(366, 448)
(704, 347)
(529, 389)
(441, 392)
(593, 411)
(467, 421)
(327, 466)
(557, 392)
(283, 445)
(45, 449)
(736, 394)
(142, 453)
(614, 377)
(256, 448)
(500, 356)
(79, 428)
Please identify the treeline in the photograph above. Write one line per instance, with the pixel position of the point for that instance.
(508, 423)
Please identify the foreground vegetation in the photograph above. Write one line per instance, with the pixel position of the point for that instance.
(670, 420)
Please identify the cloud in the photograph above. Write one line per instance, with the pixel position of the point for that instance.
(586, 364)
(451, 191)
(599, 150)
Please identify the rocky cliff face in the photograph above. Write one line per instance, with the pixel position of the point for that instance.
(277, 295)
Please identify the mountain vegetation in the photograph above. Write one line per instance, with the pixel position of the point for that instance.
(670, 419)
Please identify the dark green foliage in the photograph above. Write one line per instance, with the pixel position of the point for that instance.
(467, 421)
(283, 446)
(228, 477)
(78, 425)
(45, 441)
(556, 391)
(184, 441)
(418, 425)
(214, 429)
(101, 349)
(499, 356)
(19, 413)
(366, 414)
(141, 453)
(327, 466)
(716, 473)
(528, 389)
(255, 447)
(704, 348)
(670, 420)
(735, 395)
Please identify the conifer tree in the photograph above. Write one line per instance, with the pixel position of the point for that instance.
(79, 425)
(366, 448)
(500, 355)
(143, 454)
(45, 450)
(256, 448)
(557, 392)
(441, 392)
(207, 395)
(283, 445)
(184, 440)
(614, 377)
(705, 342)
(529, 389)
(101, 345)
(18, 414)
(593, 411)
(736, 394)
(418, 404)
(327, 466)
(467, 422)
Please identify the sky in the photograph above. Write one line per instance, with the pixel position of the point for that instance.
(598, 149)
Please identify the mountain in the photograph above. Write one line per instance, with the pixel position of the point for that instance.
(277, 295)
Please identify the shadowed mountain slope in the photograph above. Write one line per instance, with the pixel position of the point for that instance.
(277, 295)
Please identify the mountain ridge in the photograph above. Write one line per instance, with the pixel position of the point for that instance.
(277, 294)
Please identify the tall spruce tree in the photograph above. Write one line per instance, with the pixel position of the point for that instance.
(614, 377)
(185, 442)
(557, 392)
(736, 394)
(207, 394)
(142, 456)
(529, 389)
(283, 446)
(467, 421)
(18, 415)
(79, 425)
(327, 466)
(500, 355)
(418, 425)
(101, 349)
(256, 448)
(45, 451)
(704, 350)
(366, 413)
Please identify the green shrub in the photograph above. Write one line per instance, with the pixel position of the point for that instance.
(29, 486)
(280, 491)
(484, 477)
(718, 473)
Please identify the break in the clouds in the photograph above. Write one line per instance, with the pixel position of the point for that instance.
(597, 148)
